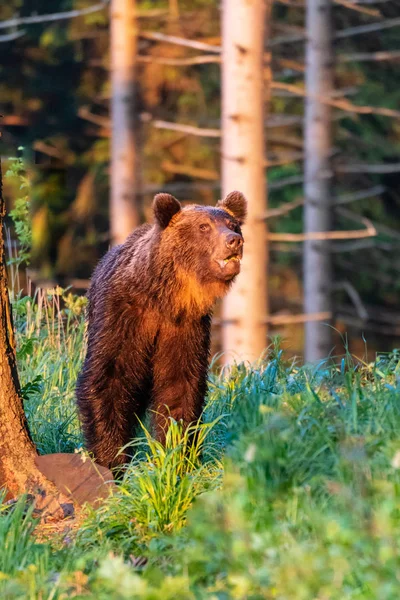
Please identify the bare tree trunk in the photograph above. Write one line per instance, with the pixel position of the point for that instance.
(125, 205)
(317, 187)
(18, 471)
(244, 97)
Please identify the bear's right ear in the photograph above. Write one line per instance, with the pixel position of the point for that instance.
(165, 207)
(236, 205)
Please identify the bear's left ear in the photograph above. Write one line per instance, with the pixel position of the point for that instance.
(235, 204)
(165, 207)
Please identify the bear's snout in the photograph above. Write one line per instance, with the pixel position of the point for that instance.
(234, 242)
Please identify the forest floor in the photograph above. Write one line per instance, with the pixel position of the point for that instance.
(292, 490)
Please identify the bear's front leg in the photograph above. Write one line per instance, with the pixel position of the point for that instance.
(115, 384)
(110, 404)
(180, 373)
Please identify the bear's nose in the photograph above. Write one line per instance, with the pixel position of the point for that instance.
(234, 242)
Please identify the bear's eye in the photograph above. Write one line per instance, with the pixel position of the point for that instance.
(204, 227)
(231, 225)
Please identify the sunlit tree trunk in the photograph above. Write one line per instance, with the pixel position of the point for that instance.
(317, 188)
(18, 472)
(244, 97)
(125, 212)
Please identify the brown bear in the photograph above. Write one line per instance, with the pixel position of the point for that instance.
(149, 317)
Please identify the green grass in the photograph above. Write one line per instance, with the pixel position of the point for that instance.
(50, 332)
(290, 491)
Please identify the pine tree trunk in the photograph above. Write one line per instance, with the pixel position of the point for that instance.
(245, 91)
(125, 205)
(18, 471)
(317, 188)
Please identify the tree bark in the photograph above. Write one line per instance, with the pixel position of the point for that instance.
(317, 187)
(125, 205)
(18, 472)
(244, 96)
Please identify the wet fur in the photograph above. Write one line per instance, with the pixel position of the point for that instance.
(148, 340)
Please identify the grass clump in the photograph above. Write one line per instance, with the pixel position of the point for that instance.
(50, 333)
(157, 489)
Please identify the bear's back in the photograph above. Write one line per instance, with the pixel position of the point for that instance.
(110, 275)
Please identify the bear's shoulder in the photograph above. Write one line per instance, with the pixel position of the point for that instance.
(113, 270)
(136, 235)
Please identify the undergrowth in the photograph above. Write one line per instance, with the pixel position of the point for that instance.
(289, 488)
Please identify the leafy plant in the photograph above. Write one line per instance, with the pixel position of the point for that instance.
(20, 214)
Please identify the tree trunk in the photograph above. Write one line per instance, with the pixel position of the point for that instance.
(244, 95)
(125, 205)
(18, 472)
(317, 187)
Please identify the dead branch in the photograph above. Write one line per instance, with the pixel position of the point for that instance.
(172, 39)
(279, 319)
(190, 129)
(364, 168)
(384, 229)
(354, 297)
(69, 14)
(103, 132)
(373, 12)
(286, 39)
(294, 65)
(41, 146)
(280, 183)
(17, 120)
(344, 199)
(296, 3)
(353, 5)
(349, 57)
(284, 209)
(180, 62)
(298, 319)
(369, 56)
(280, 90)
(9, 37)
(348, 32)
(338, 248)
(200, 60)
(152, 13)
(280, 120)
(363, 194)
(371, 1)
(286, 248)
(85, 113)
(195, 172)
(181, 187)
(273, 121)
(369, 231)
(342, 103)
(359, 29)
(213, 175)
(290, 141)
(285, 159)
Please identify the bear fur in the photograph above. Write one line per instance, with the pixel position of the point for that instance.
(149, 318)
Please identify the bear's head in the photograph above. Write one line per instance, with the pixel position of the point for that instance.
(206, 242)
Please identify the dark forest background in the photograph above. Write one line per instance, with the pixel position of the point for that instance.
(55, 94)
